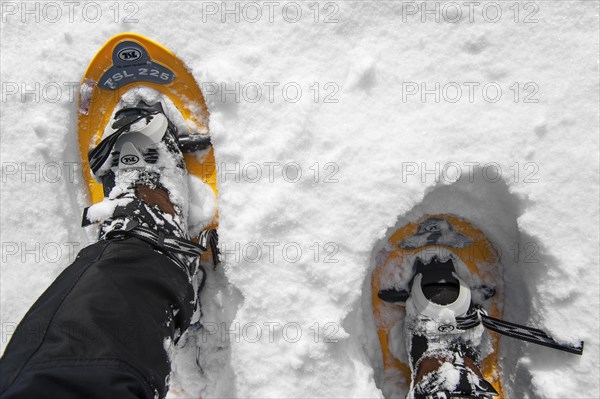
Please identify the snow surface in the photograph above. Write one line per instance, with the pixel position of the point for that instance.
(373, 148)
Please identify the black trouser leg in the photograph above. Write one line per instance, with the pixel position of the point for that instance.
(99, 330)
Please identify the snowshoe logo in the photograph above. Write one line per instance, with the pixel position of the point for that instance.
(446, 328)
(129, 159)
(432, 227)
(129, 54)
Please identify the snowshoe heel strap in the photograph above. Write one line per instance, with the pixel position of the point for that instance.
(160, 240)
(131, 227)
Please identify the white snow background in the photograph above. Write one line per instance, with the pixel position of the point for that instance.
(376, 148)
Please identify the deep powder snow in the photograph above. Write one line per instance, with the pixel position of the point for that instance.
(332, 126)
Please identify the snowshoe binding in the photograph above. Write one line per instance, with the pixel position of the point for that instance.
(136, 154)
(441, 337)
(436, 285)
(145, 183)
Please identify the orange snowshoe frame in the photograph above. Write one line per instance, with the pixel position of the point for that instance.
(479, 252)
(96, 105)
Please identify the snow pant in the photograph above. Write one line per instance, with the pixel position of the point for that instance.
(100, 329)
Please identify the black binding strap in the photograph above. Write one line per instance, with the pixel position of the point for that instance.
(471, 320)
(528, 334)
(168, 243)
(210, 239)
(514, 330)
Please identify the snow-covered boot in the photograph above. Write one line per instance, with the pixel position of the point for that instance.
(443, 335)
(145, 183)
